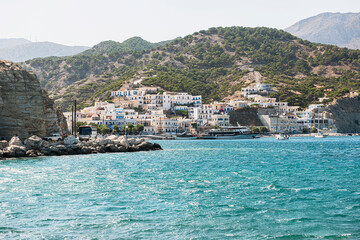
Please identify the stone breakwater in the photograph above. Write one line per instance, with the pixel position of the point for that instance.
(34, 146)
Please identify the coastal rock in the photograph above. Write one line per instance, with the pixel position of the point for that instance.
(123, 141)
(145, 146)
(121, 149)
(157, 146)
(87, 150)
(61, 148)
(139, 141)
(111, 148)
(132, 141)
(346, 114)
(25, 109)
(3, 144)
(15, 141)
(34, 143)
(70, 140)
(101, 149)
(31, 153)
(102, 142)
(8, 153)
(112, 138)
(15, 151)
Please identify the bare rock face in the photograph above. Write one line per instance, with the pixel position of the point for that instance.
(346, 114)
(25, 109)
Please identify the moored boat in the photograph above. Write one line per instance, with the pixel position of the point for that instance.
(158, 137)
(281, 136)
(229, 133)
(320, 135)
(185, 136)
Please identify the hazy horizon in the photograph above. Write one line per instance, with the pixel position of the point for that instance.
(86, 23)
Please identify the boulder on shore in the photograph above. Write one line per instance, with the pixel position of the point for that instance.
(15, 141)
(33, 143)
(3, 144)
(70, 140)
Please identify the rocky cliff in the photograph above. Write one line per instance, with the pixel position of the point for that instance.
(346, 114)
(25, 109)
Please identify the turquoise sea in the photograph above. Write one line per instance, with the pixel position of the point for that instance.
(304, 188)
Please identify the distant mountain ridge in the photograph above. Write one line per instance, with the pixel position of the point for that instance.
(131, 44)
(20, 49)
(341, 29)
(11, 42)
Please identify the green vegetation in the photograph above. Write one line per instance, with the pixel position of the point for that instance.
(182, 113)
(211, 63)
(255, 130)
(116, 128)
(314, 130)
(131, 44)
(305, 130)
(103, 129)
(139, 128)
(128, 128)
(263, 129)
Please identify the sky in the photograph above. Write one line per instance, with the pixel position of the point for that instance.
(88, 22)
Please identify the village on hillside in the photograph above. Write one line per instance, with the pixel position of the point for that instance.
(151, 110)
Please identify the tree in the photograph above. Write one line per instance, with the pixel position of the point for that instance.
(263, 129)
(139, 128)
(314, 130)
(103, 129)
(128, 128)
(79, 124)
(116, 128)
(182, 113)
(255, 130)
(305, 130)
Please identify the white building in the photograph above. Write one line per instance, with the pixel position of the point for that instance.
(221, 120)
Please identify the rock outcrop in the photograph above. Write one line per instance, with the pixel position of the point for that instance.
(35, 146)
(25, 109)
(346, 114)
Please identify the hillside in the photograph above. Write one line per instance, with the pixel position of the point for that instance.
(214, 63)
(11, 42)
(131, 44)
(22, 51)
(341, 29)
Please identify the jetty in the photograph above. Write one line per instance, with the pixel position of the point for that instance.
(35, 146)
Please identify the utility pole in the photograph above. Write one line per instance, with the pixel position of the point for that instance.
(72, 121)
(74, 118)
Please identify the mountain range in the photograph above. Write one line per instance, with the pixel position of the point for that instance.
(215, 63)
(341, 29)
(19, 49)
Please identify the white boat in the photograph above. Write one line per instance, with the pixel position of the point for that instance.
(158, 137)
(229, 133)
(281, 137)
(320, 135)
(185, 136)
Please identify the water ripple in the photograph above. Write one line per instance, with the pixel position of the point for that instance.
(251, 189)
